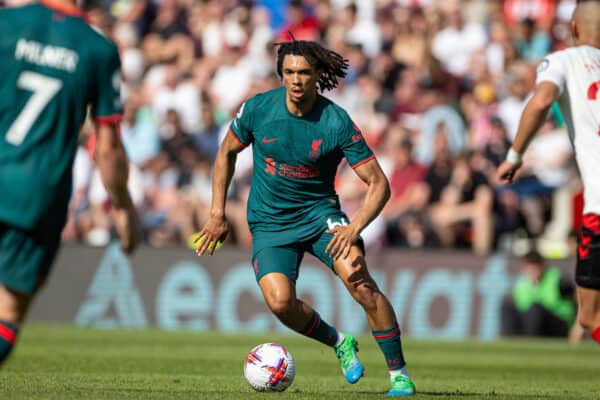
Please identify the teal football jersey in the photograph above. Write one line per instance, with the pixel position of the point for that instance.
(54, 65)
(295, 163)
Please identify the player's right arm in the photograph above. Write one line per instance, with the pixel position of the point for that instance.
(237, 139)
(216, 228)
(550, 82)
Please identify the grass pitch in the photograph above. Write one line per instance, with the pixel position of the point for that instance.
(63, 362)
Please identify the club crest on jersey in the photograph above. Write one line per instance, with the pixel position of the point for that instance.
(270, 166)
(315, 146)
(358, 137)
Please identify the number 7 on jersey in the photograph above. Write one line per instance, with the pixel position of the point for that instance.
(44, 88)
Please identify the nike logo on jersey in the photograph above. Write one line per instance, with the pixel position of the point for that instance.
(266, 140)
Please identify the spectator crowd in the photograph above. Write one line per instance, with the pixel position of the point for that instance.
(436, 86)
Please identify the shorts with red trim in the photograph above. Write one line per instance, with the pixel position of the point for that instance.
(587, 271)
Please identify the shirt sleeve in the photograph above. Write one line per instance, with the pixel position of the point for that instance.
(551, 69)
(106, 100)
(353, 144)
(241, 126)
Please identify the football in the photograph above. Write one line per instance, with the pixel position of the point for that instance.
(269, 367)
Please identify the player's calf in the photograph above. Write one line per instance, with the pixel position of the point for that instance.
(320, 330)
(13, 308)
(391, 346)
(588, 313)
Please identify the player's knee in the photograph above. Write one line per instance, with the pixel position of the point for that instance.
(281, 306)
(13, 306)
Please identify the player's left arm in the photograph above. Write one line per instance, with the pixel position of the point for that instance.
(111, 157)
(378, 193)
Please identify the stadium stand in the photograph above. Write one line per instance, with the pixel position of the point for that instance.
(436, 86)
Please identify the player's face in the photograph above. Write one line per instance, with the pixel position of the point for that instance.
(300, 79)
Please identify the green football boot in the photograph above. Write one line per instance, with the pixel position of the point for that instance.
(346, 351)
(402, 386)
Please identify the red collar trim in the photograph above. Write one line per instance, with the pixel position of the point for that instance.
(65, 9)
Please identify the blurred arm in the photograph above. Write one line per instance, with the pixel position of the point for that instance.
(532, 119)
(534, 115)
(113, 165)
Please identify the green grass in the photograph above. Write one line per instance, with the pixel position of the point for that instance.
(61, 362)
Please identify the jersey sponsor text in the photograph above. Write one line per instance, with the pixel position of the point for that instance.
(291, 171)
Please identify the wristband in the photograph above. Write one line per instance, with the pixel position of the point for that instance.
(513, 157)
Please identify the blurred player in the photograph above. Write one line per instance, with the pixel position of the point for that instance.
(572, 77)
(299, 137)
(53, 66)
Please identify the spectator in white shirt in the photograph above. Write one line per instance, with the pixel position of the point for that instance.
(454, 45)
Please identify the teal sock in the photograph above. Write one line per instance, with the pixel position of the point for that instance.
(391, 347)
(320, 330)
(8, 335)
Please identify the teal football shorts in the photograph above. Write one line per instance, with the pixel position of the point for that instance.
(26, 257)
(286, 259)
